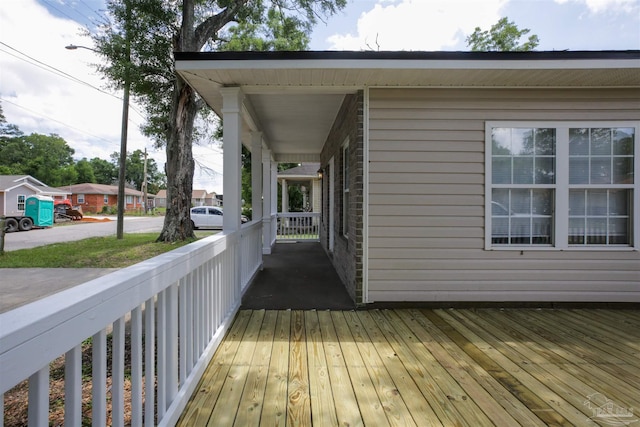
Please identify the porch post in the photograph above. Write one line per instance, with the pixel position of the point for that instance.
(285, 196)
(274, 199)
(232, 187)
(256, 182)
(267, 195)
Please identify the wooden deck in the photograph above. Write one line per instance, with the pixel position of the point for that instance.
(460, 367)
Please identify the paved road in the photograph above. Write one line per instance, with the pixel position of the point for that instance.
(19, 286)
(79, 231)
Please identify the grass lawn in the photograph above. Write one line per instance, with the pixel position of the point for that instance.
(95, 252)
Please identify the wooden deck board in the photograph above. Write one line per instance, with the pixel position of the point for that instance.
(421, 367)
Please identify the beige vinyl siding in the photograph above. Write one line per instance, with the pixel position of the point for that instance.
(426, 200)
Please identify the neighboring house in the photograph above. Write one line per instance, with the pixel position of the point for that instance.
(449, 176)
(198, 198)
(14, 190)
(161, 199)
(97, 198)
(306, 176)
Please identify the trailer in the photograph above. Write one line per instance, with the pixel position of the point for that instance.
(38, 212)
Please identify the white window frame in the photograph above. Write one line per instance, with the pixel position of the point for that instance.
(562, 186)
(105, 199)
(80, 198)
(346, 171)
(23, 202)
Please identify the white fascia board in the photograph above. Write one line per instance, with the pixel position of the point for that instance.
(408, 64)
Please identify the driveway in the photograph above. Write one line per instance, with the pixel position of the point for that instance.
(78, 231)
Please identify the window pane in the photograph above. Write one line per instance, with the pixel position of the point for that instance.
(623, 142)
(601, 141)
(579, 170)
(520, 230)
(618, 234)
(597, 202)
(542, 203)
(501, 170)
(623, 170)
(601, 170)
(541, 231)
(523, 170)
(579, 142)
(596, 231)
(500, 231)
(577, 203)
(522, 141)
(545, 171)
(520, 201)
(545, 142)
(500, 141)
(618, 202)
(576, 231)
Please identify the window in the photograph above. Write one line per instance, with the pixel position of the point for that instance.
(562, 185)
(345, 189)
(21, 201)
(128, 200)
(106, 199)
(80, 198)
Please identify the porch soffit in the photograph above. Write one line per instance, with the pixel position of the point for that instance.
(296, 101)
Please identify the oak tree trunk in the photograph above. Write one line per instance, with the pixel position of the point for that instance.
(180, 164)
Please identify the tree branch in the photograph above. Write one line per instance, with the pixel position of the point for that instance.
(209, 28)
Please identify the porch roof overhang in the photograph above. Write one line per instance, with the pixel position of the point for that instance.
(293, 97)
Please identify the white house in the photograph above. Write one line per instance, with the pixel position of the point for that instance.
(448, 176)
(14, 190)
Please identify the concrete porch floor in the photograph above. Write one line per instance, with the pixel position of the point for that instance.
(297, 276)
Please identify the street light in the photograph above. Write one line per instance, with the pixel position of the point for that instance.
(123, 144)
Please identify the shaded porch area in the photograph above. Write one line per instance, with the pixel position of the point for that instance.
(478, 367)
(297, 275)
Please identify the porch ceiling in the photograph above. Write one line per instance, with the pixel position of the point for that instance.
(293, 97)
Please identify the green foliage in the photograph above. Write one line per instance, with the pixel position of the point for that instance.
(104, 171)
(134, 171)
(84, 171)
(503, 36)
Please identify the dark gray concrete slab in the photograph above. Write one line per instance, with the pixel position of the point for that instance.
(297, 276)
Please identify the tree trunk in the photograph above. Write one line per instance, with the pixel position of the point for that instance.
(180, 165)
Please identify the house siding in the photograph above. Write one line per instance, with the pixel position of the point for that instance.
(426, 200)
(347, 253)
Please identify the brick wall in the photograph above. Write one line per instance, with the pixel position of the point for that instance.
(347, 254)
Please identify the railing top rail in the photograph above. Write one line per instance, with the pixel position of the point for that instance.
(298, 214)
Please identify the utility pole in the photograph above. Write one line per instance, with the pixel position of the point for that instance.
(124, 130)
(144, 183)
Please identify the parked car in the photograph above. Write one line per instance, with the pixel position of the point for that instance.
(209, 217)
(206, 217)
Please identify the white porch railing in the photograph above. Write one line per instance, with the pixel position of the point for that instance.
(178, 306)
(298, 226)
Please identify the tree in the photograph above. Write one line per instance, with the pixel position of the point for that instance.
(503, 36)
(104, 172)
(138, 45)
(84, 171)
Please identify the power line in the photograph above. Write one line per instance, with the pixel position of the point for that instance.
(54, 120)
(60, 73)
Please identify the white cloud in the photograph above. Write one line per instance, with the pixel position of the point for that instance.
(418, 24)
(608, 6)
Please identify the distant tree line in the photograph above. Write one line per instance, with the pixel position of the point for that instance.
(49, 159)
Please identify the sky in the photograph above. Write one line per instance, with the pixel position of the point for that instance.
(47, 89)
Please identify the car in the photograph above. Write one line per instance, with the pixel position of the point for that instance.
(209, 217)
(206, 217)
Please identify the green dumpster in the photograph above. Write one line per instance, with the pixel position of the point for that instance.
(40, 210)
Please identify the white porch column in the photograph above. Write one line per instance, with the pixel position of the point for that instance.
(256, 175)
(285, 197)
(274, 200)
(232, 187)
(267, 196)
